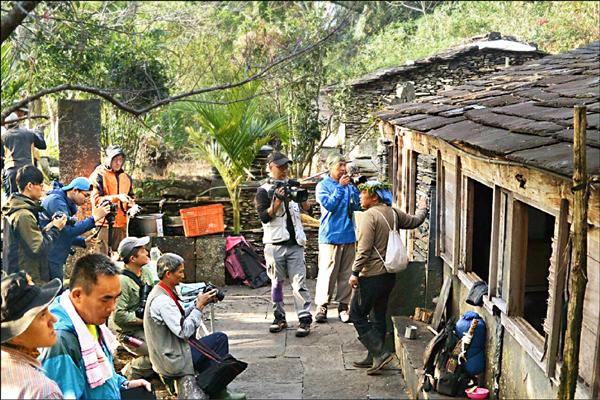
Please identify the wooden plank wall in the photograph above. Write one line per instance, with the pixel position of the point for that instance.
(544, 191)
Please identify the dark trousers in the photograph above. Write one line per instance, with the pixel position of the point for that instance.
(371, 297)
(10, 181)
(217, 342)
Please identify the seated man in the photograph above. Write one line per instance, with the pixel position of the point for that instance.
(168, 327)
(81, 361)
(128, 319)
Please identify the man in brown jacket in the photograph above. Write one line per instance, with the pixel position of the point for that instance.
(371, 282)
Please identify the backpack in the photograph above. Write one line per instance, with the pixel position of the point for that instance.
(243, 263)
(476, 353)
(396, 259)
(441, 364)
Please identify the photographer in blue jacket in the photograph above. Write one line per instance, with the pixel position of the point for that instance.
(64, 200)
(339, 198)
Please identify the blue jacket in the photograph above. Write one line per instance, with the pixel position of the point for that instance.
(57, 200)
(337, 226)
(64, 365)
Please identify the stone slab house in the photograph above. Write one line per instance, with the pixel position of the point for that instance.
(350, 126)
(495, 157)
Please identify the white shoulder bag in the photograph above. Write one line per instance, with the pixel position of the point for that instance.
(396, 259)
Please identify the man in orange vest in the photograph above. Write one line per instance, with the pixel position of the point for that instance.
(111, 184)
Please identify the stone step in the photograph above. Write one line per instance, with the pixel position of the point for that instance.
(410, 354)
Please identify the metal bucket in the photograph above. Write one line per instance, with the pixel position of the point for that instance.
(150, 225)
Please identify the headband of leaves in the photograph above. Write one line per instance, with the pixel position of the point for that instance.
(372, 187)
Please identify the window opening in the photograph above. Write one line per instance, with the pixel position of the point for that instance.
(540, 230)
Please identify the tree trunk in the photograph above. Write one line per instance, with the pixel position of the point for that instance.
(235, 205)
(570, 367)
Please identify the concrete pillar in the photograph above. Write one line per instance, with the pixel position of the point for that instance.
(79, 127)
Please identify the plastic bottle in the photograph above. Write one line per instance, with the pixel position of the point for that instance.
(154, 256)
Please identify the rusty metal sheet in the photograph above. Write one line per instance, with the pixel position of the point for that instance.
(513, 123)
(557, 158)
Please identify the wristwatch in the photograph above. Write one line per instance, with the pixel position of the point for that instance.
(125, 385)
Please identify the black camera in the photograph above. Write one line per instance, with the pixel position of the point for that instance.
(110, 217)
(292, 190)
(359, 180)
(144, 292)
(70, 220)
(220, 294)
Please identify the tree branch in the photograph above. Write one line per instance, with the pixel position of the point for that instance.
(15, 17)
(105, 94)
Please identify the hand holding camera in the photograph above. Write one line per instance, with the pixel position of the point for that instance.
(102, 211)
(210, 294)
(59, 220)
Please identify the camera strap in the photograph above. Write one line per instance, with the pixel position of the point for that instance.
(173, 296)
(133, 276)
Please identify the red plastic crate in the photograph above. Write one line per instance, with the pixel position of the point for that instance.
(203, 220)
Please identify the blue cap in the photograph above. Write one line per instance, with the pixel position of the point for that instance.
(80, 183)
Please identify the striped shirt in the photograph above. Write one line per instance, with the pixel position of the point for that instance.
(23, 378)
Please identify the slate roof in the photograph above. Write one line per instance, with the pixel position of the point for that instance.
(524, 113)
(491, 42)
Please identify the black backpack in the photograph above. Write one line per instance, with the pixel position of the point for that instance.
(253, 266)
(449, 377)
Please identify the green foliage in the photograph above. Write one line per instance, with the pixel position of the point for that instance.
(229, 136)
(12, 82)
(555, 26)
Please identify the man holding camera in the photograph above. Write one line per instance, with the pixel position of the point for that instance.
(127, 321)
(169, 327)
(24, 244)
(284, 239)
(64, 200)
(111, 185)
(339, 198)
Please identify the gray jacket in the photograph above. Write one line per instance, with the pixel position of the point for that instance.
(168, 347)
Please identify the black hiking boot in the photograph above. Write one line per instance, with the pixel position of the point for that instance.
(278, 325)
(366, 362)
(381, 357)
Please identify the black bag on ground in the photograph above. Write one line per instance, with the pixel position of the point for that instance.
(220, 373)
(253, 266)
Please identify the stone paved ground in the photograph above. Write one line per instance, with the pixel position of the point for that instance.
(282, 366)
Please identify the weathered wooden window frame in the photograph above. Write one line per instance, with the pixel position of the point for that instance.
(466, 239)
(512, 308)
(451, 259)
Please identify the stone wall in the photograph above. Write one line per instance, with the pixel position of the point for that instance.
(425, 184)
(423, 79)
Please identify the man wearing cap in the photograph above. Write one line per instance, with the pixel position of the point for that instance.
(27, 325)
(370, 279)
(81, 361)
(111, 184)
(170, 328)
(339, 198)
(284, 239)
(17, 145)
(128, 319)
(25, 245)
(65, 200)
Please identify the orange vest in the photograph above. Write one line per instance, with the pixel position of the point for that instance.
(106, 182)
